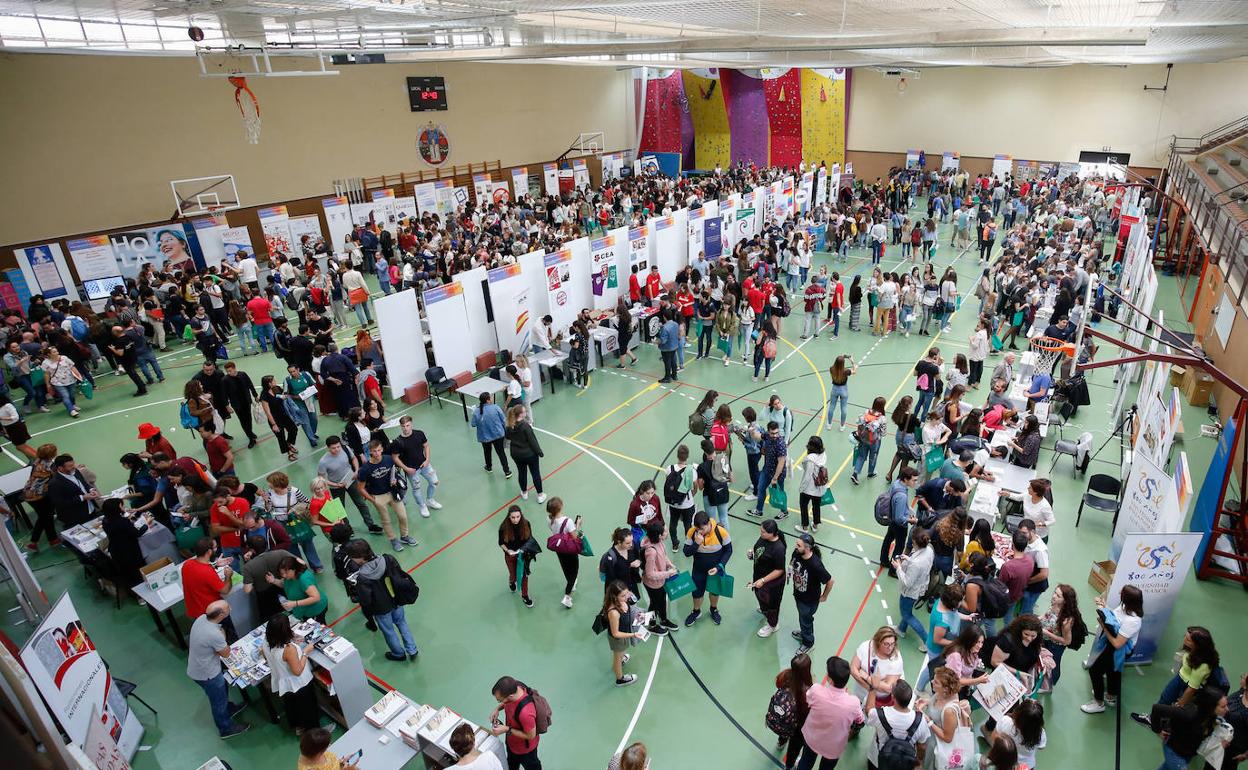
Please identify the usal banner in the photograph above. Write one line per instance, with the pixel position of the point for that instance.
(1157, 563)
(509, 296)
(1149, 503)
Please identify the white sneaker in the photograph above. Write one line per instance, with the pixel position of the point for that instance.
(750, 496)
(434, 504)
(842, 428)
(541, 498)
(567, 601)
(424, 512)
(725, 360)
(1093, 707)
(766, 631)
(524, 495)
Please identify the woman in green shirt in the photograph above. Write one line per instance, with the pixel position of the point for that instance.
(1199, 659)
(303, 598)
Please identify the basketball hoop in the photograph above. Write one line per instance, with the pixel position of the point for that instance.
(249, 108)
(1048, 350)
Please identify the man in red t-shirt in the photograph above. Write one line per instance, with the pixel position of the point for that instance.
(227, 520)
(220, 455)
(261, 313)
(654, 284)
(519, 723)
(201, 585)
(634, 286)
(756, 297)
(836, 303)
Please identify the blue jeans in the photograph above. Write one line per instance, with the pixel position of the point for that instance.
(431, 480)
(66, 394)
(924, 403)
(861, 455)
(264, 335)
(385, 286)
(1170, 760)
(393, 625)
(246, 338)
(235, 555)
(806, 622)
(908, 620)
(1173, 690)
(308, 547)
(763, 484)
(219, 698)
(305, 418)
(760, 360)
(147, 364)
(1029, 602)
(720, 511)
(362, 313)
(839, 393)
(37, 395)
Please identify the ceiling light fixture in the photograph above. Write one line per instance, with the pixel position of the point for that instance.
(794, 14)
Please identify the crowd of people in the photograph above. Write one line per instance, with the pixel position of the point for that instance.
(980, 597)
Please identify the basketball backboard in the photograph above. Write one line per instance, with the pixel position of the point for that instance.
(205, 195)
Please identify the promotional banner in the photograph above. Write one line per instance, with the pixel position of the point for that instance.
(744, 226)
(426, 198)
(301, 227)
(638, 252)
(912, 158)
(509, 296)
(338, 219)
(603, 278)
(93, 257)
(649, 164)
(236, 239)
(209, 231)
(499, 193)
(580, 173)
(161, 245)
(1149, 504)
(821, 187)
(275, 224)
(697, 239)
(386, 210)
(558, 285)
(520, 182)
(15, 293)
(71, 676)
(950, 161)
(45, 271)
(449, 197)
(712, 240)
(550, 176)
(405, 208)
(1002, 165)
(670, 243)
(448, 325)
(482, 188)
(1157, 563)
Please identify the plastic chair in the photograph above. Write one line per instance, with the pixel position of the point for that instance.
(1065, 410)
(1102, 494)
(1079, 452)
(439, 383)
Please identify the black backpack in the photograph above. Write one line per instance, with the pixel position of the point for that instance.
(671, 487)
(898, 753)
(884, 508)
(994, 597)
(1078, 633)
(400, 584)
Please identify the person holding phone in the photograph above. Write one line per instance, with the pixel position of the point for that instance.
(314, 753)
(1119, 628)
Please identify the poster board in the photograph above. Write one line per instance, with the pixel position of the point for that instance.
(912, 159)
(604, 271)
(481, 336)
(386, 210)
(482, 188)
(950, 161)
(580, 173)
(550, 178)
(71, 676)
(695, 227)
(404, 208)
(639, 242)
(513, 317)
(447, 314)
(275, 224)
(310, 226)
(93, 257)
(558, 271)
(1157, 563)
(669, 236)
(236, 239)
(209, 233)
(1149, 503)
(45, 271)
(338, 220)
(520, 182)
(533, 272)
(426, 198)
(1002, 165)
(398, 320)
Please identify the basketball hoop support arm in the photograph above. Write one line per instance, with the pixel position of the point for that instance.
(257, 57)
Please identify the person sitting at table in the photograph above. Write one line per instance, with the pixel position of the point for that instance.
(303, 598)
(291, 677)
(1037, 505)
(75, 500)
(998, 417)
(314, 753)
(123, 546)
(1041, 384)
(463, 743)
(1024, 448)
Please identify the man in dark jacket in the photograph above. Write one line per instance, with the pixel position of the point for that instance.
(213, 381)
(72, 496)
(373, 592)
(339, 371)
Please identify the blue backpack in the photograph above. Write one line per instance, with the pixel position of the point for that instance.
(188, 420)
(78, 328)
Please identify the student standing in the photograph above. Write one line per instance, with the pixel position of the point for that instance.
(657, 569)
(382, 588)
(768, 581)
(711, 547)
(376, 483)
(1119, 629)
(491, 425)
(569, 563)
(914, 573)
(714, 477)
(869, 437)
(291, 677)
(814, 470)
(615, 610)
(519, 723)
(841, 370)
(775, 463)
(339, 467)
(678, 492)
(513, 535)
(525, 451)
(208, 648)
(812, 583)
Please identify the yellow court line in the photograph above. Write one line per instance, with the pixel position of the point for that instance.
(654, 467)
(647, 389)
(589, 380)
(823, 389)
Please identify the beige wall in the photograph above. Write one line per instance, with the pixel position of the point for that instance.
(991, 110)
(89, 143)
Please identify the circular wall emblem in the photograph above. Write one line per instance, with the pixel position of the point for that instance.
(561, 298)
(433, 144)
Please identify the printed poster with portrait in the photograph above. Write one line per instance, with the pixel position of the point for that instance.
(158, 246)
(433, 144)
(638, 251)
(558, 274)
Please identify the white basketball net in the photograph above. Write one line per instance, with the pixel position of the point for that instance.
(251, 122)
(1047, 351)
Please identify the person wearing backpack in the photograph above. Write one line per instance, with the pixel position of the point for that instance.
(765, 348)
(678, 488)
(524, 715)
(892, 508)
(901, 733)
(382, 588)
(814, 470)
(787, 710)
(751, 440)
(775, 464)
(701, 418)
(868, 437)
(1062, 627)
(714, 477)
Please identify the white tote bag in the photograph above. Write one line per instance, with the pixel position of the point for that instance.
(959, 753)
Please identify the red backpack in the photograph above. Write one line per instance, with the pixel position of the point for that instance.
(719, 436)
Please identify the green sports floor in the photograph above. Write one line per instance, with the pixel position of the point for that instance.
(701, 694)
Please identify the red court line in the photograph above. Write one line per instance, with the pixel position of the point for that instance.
(499, 509)
(861, 606)
(383, 683)
(729, 396)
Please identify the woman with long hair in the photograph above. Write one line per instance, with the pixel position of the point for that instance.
(15, 427)
(1061, 625)
(526, 452)
(1025, 445)
(726, 325)
(765, 349)
(1198, 661)
(569, 563)
(980, 542)
(914, 578)
(291, 677)
(1117, 631)
(303, 597)
(794, 681)
(855, 303)
(624, 332)
(706, 409)
(869, 435)
(963, 658)
(841, 370)
(298, 383)
(273, 404)
(945, 712)
(1183, 728)
(905, 422)
(657, 569)
(947, 539)
(513, 534)
(618, 617)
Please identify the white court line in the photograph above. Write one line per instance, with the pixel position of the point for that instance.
(658, 650)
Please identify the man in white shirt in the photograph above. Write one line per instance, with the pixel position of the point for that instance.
(248, 270)
(879, 232)
(896, 721)
(1038, 583)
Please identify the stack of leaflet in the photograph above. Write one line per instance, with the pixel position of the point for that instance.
(246, 664)
(385, 709)
(411, 721)
(439, 725)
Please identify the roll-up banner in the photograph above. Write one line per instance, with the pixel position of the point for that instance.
(604, 280)
(73, 680)
(1157, 563)
(697, 238)
(449, 197)
(448, 325)
(398, 319)
(912, 159)
(97, 268)
(45, 271)
(558, 287)
(580, 173)
(309, 226)
(482, 188)
(821, 187)
(638, 251)
(1002, 165)
(236, 239)
(338, 219)
(950, 161)
(405, 208)
(513, 319)
(386, 210)
(426, 198)
(209, 231)
(519, 182)
(550, 177)
(275, 224)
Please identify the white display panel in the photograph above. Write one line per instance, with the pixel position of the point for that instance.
(398, 318)
(511, 297)
(481, 334)
(447, 314)
(580, 293)
(338, 219)
(210, 232)
(533, 271)
(669, 243)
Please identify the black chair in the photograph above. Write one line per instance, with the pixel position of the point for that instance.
(1059, 417)
(439, 383)
(1102, 494)
(1080, 451)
